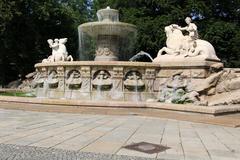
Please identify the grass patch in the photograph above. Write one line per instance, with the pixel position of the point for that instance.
(17, 94)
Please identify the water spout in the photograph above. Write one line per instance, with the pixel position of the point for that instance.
(99, 93)
(136, 95)
(140, 54)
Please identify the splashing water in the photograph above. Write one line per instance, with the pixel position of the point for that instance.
(136, 95)
(115, 92)
(141, 54)
(99, 93)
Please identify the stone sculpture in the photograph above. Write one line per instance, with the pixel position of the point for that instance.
(176, 90)
(74, 80)
(191, 28)
(52, 79)
(38, 80)
(59, 51)
(180, 46)
(102, 81)
(221, 87)
(133, 81)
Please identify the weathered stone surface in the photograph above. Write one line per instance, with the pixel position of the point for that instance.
(226, 98)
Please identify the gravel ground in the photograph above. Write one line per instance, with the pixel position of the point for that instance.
(14, 152)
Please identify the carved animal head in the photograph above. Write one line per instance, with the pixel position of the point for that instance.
(63, 40)
(50, 41)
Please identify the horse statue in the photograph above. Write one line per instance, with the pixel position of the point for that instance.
(59, 51)
(179, 45)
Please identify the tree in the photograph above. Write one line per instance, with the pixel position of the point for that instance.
(27, 24)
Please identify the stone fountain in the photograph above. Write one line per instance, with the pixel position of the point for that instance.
(108, 33)
(187, 70)
(105, 78)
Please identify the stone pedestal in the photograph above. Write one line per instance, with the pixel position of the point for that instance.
(107, 48)
(117, 90)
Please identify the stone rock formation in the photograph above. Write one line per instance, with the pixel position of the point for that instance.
(176, 90)
(221, 87)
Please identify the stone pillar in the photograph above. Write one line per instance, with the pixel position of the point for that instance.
(59, 93)
(85, 91)
(56, 80)
(107, 48)
(42, 91)
(117, 89)
(71, 93)
(61, 77)
(150, 76)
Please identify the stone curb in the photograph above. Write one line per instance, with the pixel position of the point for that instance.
(213, 110)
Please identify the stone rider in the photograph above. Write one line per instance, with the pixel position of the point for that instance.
(191, 28)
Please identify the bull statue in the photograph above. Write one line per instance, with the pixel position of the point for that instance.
(183, 46)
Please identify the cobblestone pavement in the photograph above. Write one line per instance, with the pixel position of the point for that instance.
(13, 152)
(28, 135)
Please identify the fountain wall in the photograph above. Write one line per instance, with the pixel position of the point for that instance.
(125, 81)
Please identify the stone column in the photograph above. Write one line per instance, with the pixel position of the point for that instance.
(107, 48)
(85, 91)
(117, 92)
(150, 76)
(61, 82)
(42, 91)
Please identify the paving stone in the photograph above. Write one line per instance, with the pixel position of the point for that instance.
(68, 135)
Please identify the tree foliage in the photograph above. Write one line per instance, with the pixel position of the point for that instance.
(27, 24)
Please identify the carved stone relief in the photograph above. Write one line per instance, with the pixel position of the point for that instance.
(73, 80)
(133, 81)
(52, 79)
(102, 80)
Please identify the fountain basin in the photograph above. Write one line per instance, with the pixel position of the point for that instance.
(105, 28)
(109, 35)
(95, 29)
(110, 39)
